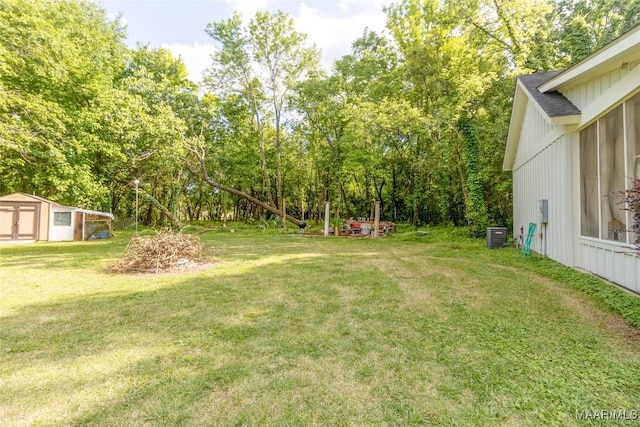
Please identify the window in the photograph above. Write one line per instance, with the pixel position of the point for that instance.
(62, 219)
(613, 219)
(609, 163)
(589, 183)
(633, 135)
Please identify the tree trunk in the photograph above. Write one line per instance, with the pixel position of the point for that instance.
(163, 209)
(205, 176)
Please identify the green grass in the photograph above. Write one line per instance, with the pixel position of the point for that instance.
(413, 329)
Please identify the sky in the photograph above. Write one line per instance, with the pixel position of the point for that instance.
(332, 25)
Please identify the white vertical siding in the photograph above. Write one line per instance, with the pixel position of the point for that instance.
(614, 262)
(534, 130)
(584, 94)
(58, 232)
(549, 174)
(545, 175)
(547, 166)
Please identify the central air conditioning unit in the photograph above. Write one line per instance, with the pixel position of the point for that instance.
(496, 237)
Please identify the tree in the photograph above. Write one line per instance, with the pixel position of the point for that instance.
(56, 58)
(261, 64)
(583, 26)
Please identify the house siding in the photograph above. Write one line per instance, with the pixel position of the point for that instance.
(535, 129)
(584, 94)
(545, 176)
(613, 262)
(545, 159)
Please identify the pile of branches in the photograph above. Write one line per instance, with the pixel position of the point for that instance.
(166, 251)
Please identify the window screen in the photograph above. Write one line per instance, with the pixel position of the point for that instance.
(609, 164)
(589, 181)
(62, 219)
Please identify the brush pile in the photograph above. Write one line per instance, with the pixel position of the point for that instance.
(164, 252)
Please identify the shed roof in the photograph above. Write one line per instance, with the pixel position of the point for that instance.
(8, 197)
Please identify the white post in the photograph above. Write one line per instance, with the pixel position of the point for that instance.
(83, 222)
(376, 221)
(284, 217)
(327, 212)
(136, 182)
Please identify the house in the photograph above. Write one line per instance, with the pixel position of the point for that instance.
(24, 217)
(573, 145)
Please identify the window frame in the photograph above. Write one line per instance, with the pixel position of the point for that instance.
(58, 219)
(627, 128)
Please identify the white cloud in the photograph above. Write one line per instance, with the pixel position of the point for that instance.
(197, 57)
(113, 17)
(335, 34)
(332, 27)
(248, 8)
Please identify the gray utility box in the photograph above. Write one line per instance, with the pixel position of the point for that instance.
(496, 237)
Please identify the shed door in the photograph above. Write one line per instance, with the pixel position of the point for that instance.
(19, 221)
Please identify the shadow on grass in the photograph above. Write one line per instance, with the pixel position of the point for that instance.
(163, 350)
(301, 333)
(43, 255)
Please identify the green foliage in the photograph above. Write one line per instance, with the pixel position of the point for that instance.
(476, 211)
(82, 115)
(416, 120)
(57, 58)
(586, 25)
(259, 65)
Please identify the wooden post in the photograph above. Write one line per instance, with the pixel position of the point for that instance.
(224, 210)
(327, 212)
(284, 218)
(376, 221)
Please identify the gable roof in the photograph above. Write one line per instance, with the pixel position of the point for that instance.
(553, 103)
(30, 196)
(544, 89)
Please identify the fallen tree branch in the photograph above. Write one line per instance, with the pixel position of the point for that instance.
(163, 209)
(200, 155)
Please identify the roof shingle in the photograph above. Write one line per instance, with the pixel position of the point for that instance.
(553, 103)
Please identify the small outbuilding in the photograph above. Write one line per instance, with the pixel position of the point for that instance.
(24, 217)
(573, 147)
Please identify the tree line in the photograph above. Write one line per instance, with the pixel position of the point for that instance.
(416, 118)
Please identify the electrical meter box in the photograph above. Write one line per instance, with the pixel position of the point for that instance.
(544, 211)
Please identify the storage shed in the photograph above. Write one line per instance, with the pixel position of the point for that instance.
(25, 217)
(574, 142)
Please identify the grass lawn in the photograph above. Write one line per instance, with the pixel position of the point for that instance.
(404, 330)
